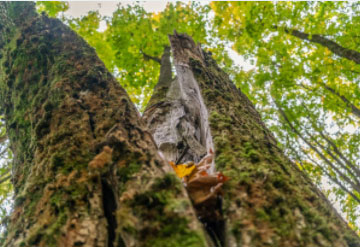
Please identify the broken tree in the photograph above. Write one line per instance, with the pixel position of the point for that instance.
(87, 171)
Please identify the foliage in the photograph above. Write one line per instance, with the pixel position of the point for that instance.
(132, 32)
(52, 8)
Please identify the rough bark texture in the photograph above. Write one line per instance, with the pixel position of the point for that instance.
(85, 171)
(268, 201)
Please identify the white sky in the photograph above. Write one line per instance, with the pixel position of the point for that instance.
(79, 8)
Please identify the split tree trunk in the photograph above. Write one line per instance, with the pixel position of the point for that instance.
(87, 173)
(268, 200)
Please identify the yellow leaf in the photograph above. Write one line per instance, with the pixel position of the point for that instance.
(183, 170)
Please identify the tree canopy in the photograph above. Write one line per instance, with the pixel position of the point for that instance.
(304, 80)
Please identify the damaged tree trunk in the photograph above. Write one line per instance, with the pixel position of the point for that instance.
(85, 173)
(268, 201)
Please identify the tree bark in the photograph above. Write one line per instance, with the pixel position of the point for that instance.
(268, 200)
(85, 172)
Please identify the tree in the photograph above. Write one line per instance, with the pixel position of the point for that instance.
(87, 171)
(305, 82)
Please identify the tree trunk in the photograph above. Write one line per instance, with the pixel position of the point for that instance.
(85, 172)
(268, 201)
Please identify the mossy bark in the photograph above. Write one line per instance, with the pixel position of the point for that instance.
(268, 201)
(85, 172)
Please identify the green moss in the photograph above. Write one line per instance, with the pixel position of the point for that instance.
(164, 215)
(251, 152)
(53, 231)
(167, 182)
(126, 172)
(19, 200)
(180, 236)
(261, 214)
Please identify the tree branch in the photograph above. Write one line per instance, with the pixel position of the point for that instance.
(148, 57)
(331, 45)
(354, 109)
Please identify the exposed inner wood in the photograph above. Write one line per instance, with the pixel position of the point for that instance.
(178, 120)
(176, 115)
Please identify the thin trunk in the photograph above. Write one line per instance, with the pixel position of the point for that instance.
(340, 154)
(85, 171)
(268, 201)
(350, 172)
(335, 180)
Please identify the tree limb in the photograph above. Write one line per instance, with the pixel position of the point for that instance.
(329, 152)
(331, 45)
(5, 179)
(336, 150)
(148, 57)
(354, 109)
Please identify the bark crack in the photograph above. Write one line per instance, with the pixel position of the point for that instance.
(109, 206)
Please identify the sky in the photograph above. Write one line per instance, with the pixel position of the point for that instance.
(79, 8)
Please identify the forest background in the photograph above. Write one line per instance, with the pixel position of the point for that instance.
(297, 61)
